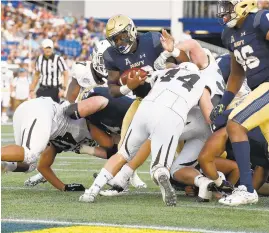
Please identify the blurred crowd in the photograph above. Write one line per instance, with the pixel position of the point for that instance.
(25, 25)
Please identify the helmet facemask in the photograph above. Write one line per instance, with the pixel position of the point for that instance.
(227, 13)
(97, 57)
(126, 37)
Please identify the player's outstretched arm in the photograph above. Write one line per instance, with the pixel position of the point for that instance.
(44, 167)
(86, 107)
(196, 52)
(73, 91)
(206, 105)
(236, 78)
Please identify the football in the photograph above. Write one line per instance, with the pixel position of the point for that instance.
(136, 71)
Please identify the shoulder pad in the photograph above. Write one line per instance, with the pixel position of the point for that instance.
(258, 17)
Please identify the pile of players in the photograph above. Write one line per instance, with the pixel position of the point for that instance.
(197, 129)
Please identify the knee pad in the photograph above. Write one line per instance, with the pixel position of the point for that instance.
(30, 157)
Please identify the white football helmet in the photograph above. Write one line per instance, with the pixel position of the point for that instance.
(97, 57)
(235, 10)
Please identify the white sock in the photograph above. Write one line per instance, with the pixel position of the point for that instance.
(127, 171)
(11, 166)
(218, 181)
(122, 177)
(198, 180)
(103, 177)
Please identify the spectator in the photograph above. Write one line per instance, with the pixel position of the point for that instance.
(6, 80)
(20, 88)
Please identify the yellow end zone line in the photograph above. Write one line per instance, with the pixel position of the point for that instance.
(107, 225)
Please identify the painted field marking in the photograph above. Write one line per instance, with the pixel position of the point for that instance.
(65, 223)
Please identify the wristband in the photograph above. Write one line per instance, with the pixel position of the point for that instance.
(125, 90)
(165, 54)
(175, 53)
(227, 98)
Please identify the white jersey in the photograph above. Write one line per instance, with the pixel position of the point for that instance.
(216, 82)
(6, 80)
(68, 134)
(171, 85)
(82, 72)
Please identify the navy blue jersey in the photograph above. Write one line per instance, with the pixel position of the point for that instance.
(250, 47)
(148, 50)
(224, 63)
(110, 118)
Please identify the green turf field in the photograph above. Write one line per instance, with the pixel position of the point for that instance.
(140, 207)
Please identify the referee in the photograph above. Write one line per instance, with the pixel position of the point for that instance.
(48, 69)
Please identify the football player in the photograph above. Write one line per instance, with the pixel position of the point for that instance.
(258, 154)
(130, 49)
(174, 93)
(88, 74)
(6, 80)
(246, 37)
(197, 137)
(33, 130)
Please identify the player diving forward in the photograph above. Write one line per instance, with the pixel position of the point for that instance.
(246, 37)
(33, 130)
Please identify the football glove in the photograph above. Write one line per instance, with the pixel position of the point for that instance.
(74, 187)
(218, 110)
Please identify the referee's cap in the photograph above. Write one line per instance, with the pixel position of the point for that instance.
(47, 43)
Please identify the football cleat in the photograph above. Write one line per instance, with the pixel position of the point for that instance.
(240, 196)
(87, 197)
(226, 186)
(168, 192)
(35, 180)
(114, 192)
(137, 182)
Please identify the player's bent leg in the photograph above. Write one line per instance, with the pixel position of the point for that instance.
(135, 137)
(164, 141)
(214, 146)
(128, 119)
(12, 153)
(229, 168)
(122, 179)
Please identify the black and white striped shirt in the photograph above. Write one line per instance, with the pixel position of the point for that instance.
(50, 70)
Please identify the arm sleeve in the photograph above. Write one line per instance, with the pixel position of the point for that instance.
(157, 42)
(261, 21)
(109, 63)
